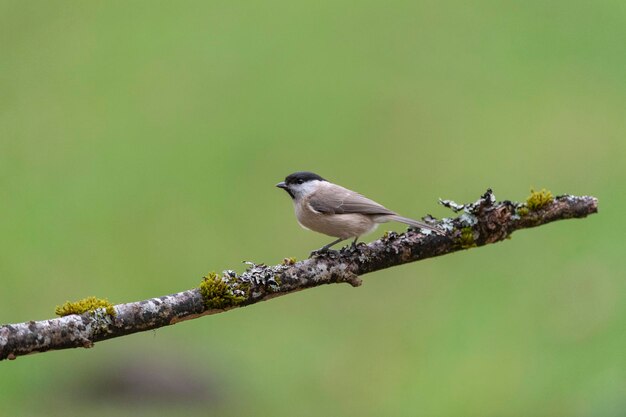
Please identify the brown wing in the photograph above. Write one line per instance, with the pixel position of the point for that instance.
(338, 200)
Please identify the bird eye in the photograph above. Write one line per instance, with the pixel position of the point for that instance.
(300, 181)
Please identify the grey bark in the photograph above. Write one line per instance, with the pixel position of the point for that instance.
(480, 223)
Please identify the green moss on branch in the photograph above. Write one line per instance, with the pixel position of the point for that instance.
(466, 238)
(221, 292)
(538, 199)
(85, 305)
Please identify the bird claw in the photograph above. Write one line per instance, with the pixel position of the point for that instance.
(323, 252)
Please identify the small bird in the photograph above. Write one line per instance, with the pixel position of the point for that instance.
(335, 211)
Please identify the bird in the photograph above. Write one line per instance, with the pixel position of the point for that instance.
(336, 211)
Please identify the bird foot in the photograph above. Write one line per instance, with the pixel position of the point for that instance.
(323, 252)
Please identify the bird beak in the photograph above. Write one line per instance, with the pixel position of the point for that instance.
(282, 185)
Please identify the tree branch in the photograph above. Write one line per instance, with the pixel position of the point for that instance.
(480, 223)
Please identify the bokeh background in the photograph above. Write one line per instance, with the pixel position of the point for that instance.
(139, 147)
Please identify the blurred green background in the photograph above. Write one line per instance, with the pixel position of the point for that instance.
(139, 147)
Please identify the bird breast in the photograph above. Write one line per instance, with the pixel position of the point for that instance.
(343, 226)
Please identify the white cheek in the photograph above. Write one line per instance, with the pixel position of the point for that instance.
(308, 187)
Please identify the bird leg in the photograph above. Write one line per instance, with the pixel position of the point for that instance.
(325, 248)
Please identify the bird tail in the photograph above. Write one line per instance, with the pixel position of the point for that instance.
(415, 223)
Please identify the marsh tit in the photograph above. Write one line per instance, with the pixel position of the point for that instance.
(335, 211)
